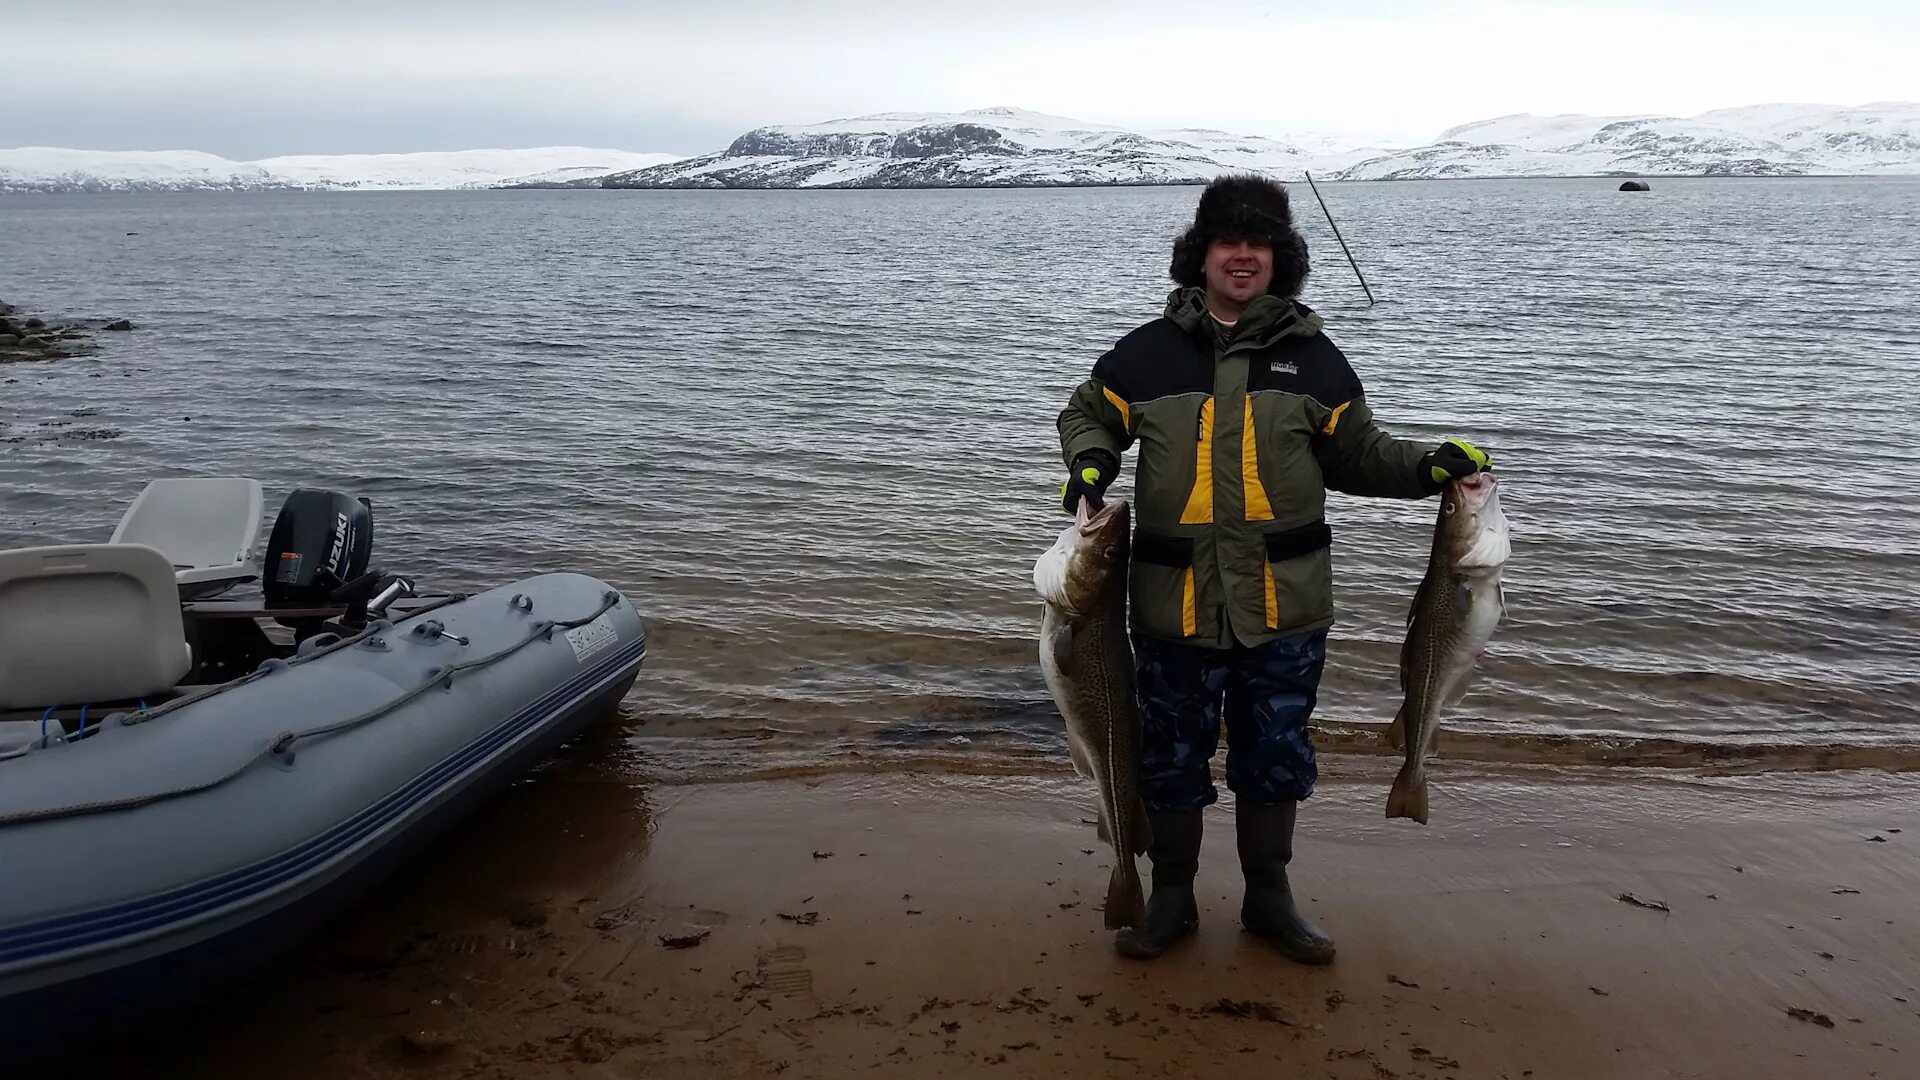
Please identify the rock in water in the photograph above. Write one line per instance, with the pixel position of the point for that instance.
(1635, 185)
(35, 324)
(1454, 613)
(6, 308)
(118, 324)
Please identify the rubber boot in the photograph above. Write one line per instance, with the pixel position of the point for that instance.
(1171, 911)
(1266, 846)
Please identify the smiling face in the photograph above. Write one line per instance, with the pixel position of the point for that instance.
(1237, 271)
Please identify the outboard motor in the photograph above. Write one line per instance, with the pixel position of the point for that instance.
(321, 541)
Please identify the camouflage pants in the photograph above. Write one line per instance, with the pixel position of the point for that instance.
(1266, 695)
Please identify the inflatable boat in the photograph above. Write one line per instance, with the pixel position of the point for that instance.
(188, 781)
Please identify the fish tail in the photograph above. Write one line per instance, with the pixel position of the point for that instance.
(1126, 903)
(1396, 733)
(1409, 795)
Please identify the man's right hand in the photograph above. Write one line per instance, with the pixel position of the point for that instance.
(1087, 478)
(1452, 460)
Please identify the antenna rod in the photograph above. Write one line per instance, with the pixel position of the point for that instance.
(1342, 239)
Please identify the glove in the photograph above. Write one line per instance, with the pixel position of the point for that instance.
(1087, 478)
(1452, 460)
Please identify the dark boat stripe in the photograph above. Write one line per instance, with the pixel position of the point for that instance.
(21, 945)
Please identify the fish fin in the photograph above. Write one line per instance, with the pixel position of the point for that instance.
(1396, 733)
(1050, 569)
(1100, 828)
(1142, 831)
(1126, 902)
(1062, 646)
(1409, 795)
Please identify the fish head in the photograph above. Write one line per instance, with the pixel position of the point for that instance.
(1078, 568)
(1103, 533)
(1473, 530)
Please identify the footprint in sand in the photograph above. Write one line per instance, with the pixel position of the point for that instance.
(784, 971)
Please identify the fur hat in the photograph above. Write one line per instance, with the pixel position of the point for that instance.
(1246, 207)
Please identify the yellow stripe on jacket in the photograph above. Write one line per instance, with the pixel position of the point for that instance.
(1199, 509)
(1258, 508)
(1120, 404)
(1273, 602)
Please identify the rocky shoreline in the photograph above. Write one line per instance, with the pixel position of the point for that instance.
(30, 337)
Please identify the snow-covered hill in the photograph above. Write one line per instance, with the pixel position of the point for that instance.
(995, 147)
(46, 168)
(452, 169)
(51, 169)
(1756, 140)
(1882, 137)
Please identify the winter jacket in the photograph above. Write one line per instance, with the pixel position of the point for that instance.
(1242, 431)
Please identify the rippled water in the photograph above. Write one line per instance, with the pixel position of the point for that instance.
(811, 433)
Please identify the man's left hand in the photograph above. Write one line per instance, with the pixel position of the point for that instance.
(1452, 460)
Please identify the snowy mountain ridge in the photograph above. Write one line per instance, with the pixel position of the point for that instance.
(994, 147)
(55, 169)
(1008, 147)
(1753, 140)
(1016, 147)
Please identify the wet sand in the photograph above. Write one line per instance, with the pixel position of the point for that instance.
(911, 924)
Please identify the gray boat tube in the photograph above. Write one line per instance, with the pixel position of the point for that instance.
(170, 843)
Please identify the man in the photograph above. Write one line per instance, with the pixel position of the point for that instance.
(1246, 415)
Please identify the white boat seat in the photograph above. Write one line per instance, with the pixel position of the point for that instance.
(86, 623)
(207, 527)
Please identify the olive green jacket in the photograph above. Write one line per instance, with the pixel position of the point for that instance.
(1242, 430)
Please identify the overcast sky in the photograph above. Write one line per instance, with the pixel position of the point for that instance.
(252, 78)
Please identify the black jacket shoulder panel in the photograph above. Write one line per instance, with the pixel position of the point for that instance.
(1156, 360)
(1313, 366)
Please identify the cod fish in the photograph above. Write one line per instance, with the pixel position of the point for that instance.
(1088, 664)
(1453, 616)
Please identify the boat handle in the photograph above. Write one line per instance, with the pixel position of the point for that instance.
(434, 628)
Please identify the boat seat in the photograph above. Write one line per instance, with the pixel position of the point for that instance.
(86, 623)
(207, 527)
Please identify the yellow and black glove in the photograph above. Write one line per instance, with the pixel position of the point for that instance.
(1452, 460)
(1088, 478)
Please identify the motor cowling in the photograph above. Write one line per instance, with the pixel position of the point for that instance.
(320, 541)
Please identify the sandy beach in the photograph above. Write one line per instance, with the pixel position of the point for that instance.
(905, 924)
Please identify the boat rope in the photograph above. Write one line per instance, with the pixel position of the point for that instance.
(145, 714)
(285, 741)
